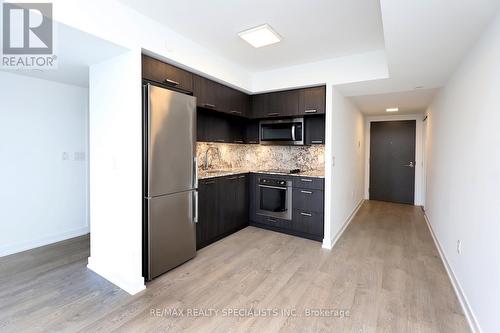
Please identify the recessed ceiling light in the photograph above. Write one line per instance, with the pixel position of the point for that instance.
(392, 110)
(262, 35)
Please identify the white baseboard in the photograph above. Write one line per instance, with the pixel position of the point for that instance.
(6, 250)
(469, 314)
(131, 286)
(330, 243)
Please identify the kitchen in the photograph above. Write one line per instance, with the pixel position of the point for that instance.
(258, 160)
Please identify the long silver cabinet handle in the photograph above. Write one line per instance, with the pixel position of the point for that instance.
(311, 111)
(306, 180)
(306, 214)
(306, 192)
(172, 82)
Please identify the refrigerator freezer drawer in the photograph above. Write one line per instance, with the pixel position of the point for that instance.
(171, 232)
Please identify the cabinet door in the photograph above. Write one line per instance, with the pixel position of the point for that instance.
(312, 100)
(207, 227)
(315, 129)
(237, 129)
(287, 103)
(252, 131)
(158, 71)
(241, 201)
(208, 93)
(226, 201)
(238, 103)
(260, 105)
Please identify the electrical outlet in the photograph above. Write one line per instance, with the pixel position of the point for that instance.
(79, 156)
(459, 246)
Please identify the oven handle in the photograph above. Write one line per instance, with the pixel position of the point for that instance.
(275, 187)
(293, 132)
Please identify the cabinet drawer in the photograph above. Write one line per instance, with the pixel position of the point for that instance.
(272, 221)
(158, 71)
(308, 199)
(308, 222)
(309, 182)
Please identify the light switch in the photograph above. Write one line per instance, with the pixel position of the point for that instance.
(65, 156)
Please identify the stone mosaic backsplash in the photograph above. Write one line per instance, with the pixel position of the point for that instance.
(261, 157)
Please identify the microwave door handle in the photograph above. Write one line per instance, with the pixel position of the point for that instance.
(293, 132)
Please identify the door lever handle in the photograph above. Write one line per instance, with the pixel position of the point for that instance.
(409, 165)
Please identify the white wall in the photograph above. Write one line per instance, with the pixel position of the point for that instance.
(463, 177)
(347, 146)
(116, 171)
(341, 70)
(43, 198)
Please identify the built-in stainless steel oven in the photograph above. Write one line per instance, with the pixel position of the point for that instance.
(282, 131)
(274, 197)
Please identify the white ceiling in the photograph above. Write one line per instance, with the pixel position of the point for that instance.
(76, 51)
(312, 30)
(425, 41)
(408, 102)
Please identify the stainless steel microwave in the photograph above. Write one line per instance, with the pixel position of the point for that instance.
(282, 131)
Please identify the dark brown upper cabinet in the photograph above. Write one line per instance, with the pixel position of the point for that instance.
(315, 129)
(209, 94)
(157, 71)
(215, 96)
(239, 103)
(276, 104)
(312, 100)
(260, 105)
(283, 104)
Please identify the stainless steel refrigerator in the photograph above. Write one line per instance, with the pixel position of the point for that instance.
(170, 180)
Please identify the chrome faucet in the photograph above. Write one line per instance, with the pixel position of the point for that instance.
(206, 155)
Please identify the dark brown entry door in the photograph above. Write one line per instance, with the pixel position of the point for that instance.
(392, 161)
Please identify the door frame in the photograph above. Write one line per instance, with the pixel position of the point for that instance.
(419, 152)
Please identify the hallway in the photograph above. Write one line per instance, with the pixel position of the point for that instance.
(385, 271)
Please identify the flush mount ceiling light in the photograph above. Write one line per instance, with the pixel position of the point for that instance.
(392, 110)
(260, 36)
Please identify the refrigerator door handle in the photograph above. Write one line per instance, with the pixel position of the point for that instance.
(195, 173)
(195, 206)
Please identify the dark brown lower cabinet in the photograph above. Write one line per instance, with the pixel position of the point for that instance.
(207, 227)
(222, 208)
(307, 204)
(309, 223)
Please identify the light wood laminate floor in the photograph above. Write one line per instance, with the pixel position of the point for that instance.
(385, 270)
